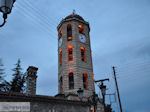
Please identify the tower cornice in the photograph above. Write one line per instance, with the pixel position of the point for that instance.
(72, 19)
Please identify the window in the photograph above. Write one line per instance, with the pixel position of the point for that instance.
(70, 53)
(85, 81)
(69, 32)
(80, 27)
(60, 57)
(82, 50)
(71, 81)
(61, 84)
(60, 34)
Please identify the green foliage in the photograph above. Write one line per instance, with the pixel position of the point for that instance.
(5, 86)
(1, 72)
(18, 80)
(3, 82)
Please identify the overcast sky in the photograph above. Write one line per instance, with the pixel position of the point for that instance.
(120, 36)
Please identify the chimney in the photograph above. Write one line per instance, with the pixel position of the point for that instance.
(31, 80)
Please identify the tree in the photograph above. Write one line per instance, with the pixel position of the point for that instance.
(17, 83)
(1, 72)
(5, 86)
(2, 75)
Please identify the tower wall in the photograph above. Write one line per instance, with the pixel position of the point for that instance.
(76, 66)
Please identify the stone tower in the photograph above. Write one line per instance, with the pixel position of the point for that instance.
(31, 80)
(75, 69)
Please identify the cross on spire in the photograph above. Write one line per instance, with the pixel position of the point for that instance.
(74, 12)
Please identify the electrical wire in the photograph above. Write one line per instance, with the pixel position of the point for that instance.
(26, 11)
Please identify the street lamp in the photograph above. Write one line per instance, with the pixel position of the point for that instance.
(5, 8)
(103, 90)
(80, 93)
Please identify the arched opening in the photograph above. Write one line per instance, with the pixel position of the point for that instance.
(60, 56)
(71, 80)
(61, 84)
(80, 28)
(70, 53)
(83, 56)
(69, 32)
(85, 80)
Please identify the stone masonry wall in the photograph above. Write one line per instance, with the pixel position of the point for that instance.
(46, 103)
(76, 66)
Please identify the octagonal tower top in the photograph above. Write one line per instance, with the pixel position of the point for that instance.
(73, 16)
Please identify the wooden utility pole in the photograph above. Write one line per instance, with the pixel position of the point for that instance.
(114, 73)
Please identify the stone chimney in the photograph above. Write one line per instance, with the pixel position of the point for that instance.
(31, 80)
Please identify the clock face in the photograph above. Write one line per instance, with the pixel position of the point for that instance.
(60, 42)
(82, 38)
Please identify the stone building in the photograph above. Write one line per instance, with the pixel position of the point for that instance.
(75, 72)
(39, 103)
(75, 68)
(31, 80)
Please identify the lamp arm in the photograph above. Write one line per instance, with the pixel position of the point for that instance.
(4, 20)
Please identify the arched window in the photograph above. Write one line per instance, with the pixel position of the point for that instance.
(83, 57)
(60, 57)
(60, 34)
(85, 81)
(80, 28)
(70, 53)
(71, 80)
(61, 84)
(69, 32)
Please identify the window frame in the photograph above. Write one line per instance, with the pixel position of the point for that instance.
(71, 80)
(70, 53)
(81, 28)
(83, 54)
(69, 32)
(61, 84)
(60, 56)
(85, 80)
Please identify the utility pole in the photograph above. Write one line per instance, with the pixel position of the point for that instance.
(114, 73)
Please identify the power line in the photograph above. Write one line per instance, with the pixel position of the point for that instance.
(40, 15)
(37, 11)
(39, 25)
(29, 16)
(33, 17)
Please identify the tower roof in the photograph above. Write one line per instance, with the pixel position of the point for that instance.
(74, 15)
